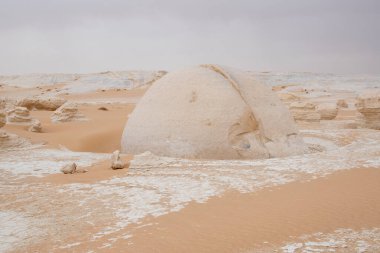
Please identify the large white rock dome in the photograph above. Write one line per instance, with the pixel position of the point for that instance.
(211, 112)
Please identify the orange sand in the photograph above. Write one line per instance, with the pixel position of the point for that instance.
(101, 133)
(238, 222)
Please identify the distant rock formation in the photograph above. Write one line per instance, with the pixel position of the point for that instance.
(342, 103)
(67, 112)
(304, 111)
(328, 111)
(368, 104)
(36, 126)
(39, 103)
(79, 83)
(19, 115)
(288, 98)
(211, 112)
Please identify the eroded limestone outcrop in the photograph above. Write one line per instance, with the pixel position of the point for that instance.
(328, 111)
(67, 112)
(288, 97)
(35, 126)
(39, 103)
(304, 111)
(368, 104)
(19, 115)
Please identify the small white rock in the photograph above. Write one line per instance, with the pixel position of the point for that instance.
(69, 169)
(117, 163)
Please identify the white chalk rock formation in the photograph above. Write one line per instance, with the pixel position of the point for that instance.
(19, 115)
(69, 169)
(39, 103)
(304, 111)
(368, 104)
(211, 112)
(67, 112)
(117, 163)
(328, 111)
(36, 126)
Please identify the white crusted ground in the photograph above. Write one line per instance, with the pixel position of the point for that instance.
(154, 186)
(341, 240)
(16, 229)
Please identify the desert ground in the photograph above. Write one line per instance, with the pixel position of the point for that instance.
(324, 200)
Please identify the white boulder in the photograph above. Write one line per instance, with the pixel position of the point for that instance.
(211, 112)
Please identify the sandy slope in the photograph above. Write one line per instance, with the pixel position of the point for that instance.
(99, 133)
(242, 222)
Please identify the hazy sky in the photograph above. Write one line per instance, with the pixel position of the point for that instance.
(339, 36)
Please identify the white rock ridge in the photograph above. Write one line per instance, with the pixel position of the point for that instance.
(211, 112)
(79, 83)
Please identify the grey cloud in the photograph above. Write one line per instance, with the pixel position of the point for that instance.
(282, 35)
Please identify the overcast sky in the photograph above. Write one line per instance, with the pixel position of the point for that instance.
(338, 36)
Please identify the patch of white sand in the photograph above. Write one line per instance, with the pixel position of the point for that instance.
(39, 162)
(341, 240)
(16, 230)
(156, 186)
